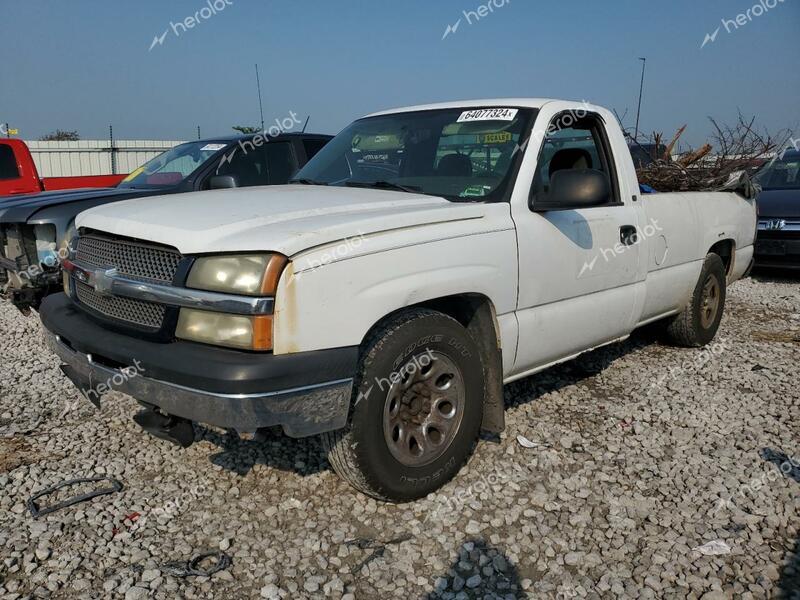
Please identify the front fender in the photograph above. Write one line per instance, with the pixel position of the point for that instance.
(335, 304)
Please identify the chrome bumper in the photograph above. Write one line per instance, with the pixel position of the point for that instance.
(302, 412)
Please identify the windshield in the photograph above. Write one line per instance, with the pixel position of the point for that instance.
(173, 166)
(464, 155)
(781, 173)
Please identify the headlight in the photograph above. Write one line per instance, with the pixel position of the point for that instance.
(246, 274)
(242, 274)
(219, 329)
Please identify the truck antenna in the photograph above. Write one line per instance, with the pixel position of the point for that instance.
(260, 103)
(641, 89)
(308, 118)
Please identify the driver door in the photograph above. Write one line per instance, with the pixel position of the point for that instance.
(578, 267)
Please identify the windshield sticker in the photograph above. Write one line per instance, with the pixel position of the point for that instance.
(133, 175)
(488, 114)
(498, 138)
(212, 147)
(475, 191)
(376, 158)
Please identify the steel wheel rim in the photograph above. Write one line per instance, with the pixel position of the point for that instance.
(423, 409)
(709, 304)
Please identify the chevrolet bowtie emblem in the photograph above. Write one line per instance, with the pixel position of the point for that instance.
(102, 280)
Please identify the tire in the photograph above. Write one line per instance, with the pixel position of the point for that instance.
(420, 376)
(697, 325)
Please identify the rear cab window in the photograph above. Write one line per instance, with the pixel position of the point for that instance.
(8, 163)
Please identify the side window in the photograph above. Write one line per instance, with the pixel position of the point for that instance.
(313, 146)
(8, 164)
(273, 163)
(281, 162)
(248, 165)
(270, 164)
(573, 143)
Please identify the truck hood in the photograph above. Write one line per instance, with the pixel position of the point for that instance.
(781, 204)
(287, 219)
(22, 208)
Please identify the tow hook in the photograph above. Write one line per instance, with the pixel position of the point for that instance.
(174, 429)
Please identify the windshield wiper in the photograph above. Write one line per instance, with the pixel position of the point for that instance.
(307, 182)
(384, 185)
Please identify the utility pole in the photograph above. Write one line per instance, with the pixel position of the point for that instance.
(8, 130)
(641, 89)
(260, 103)
(112, 150)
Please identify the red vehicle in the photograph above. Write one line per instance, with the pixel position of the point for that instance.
(18, 174)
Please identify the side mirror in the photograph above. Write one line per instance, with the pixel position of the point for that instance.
(574, 188)
(223, 182)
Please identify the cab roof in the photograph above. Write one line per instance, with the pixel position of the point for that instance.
(498, 102)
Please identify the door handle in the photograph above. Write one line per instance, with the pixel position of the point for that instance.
(628, 235)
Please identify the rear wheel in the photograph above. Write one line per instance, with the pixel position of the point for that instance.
(417, 408)
(697, 325)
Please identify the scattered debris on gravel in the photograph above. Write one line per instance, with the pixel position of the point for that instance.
(37, 510)
(637, 471)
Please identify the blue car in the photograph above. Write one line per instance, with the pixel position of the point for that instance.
(778, 241)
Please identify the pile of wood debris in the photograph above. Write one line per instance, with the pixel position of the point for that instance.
(737, 149)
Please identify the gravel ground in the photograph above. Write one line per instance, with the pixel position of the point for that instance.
(612, 470)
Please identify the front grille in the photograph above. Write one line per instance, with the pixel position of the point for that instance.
(131, 259)
(144, 314)
(136, 260)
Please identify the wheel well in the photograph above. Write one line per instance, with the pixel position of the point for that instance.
(725, 249)
(477, 314)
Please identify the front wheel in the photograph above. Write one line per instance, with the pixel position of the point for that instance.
(417, 408)
(698, 323)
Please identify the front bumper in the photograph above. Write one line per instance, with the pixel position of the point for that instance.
(779, 250)
(306, 393)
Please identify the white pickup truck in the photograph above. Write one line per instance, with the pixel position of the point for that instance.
(424, 258)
